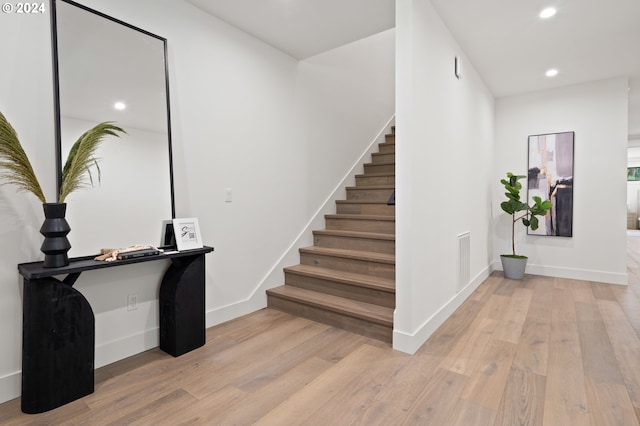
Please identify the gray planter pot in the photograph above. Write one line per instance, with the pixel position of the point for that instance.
(513, 267)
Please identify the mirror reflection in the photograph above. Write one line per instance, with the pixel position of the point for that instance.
(109, 71)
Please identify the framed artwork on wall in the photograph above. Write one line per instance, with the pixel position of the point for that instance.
(187, 233)
(550, 177)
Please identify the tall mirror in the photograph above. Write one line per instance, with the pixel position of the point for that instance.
(108, 70)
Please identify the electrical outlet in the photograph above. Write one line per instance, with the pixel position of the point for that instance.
(132, 302)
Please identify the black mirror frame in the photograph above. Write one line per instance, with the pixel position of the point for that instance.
(56, 92)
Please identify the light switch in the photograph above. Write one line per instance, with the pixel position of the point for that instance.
(228, 197)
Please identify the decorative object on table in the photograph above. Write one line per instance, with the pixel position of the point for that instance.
(551, 177)
(187, 233)
(168, 237)
(16, 169)
(514, 265)
(131, 252)
(55, 229)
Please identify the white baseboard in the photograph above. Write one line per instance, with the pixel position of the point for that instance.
(110, 352)
(573, 273)
(10, 386)
(222, 314)
(411, 342)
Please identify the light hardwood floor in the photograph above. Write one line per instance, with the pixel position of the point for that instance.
(544, 351)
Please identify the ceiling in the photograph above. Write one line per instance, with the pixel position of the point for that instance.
(304, 28)
(509, 45)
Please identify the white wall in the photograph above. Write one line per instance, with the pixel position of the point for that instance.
(444, 158)
(26, 99)
(597, 113)
(281, 134)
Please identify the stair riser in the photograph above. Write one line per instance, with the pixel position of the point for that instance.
(351, 243)
(379, 168)
(390, 138)
(386, 148)
(376, 269)
(366, 209)
(365, 180)
(355, 325)
(363, 294)
(369, 194)
(377, 226)
(383, 158)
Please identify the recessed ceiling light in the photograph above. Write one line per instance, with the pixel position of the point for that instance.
(119, 106)
(551, 73)
(547, 13)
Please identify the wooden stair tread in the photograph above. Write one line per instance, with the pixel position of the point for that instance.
(379, 174)
(348, 307)
(361, 187)
(351, 254)
(351, 278)
(361, 217)
(356, 234)
(384, 163)
(361, 202)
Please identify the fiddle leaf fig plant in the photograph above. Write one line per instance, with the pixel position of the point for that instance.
(16, 169)
(520, 210)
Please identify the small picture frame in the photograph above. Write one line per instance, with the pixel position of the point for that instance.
(187, 233)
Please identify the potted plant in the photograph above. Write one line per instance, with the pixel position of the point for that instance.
(16, 169)
(513, 264)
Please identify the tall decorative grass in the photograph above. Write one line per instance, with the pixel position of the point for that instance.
(76, 173)
(16, 169)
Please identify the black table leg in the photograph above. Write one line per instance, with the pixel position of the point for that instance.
(58, 345)
(182, 305)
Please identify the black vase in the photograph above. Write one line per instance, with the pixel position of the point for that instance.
(55, 229)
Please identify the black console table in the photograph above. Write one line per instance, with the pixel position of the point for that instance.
(58, 331)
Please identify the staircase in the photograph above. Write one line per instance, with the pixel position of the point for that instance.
(347, 278)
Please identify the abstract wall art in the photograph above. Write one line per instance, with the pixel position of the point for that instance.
(551, 178)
